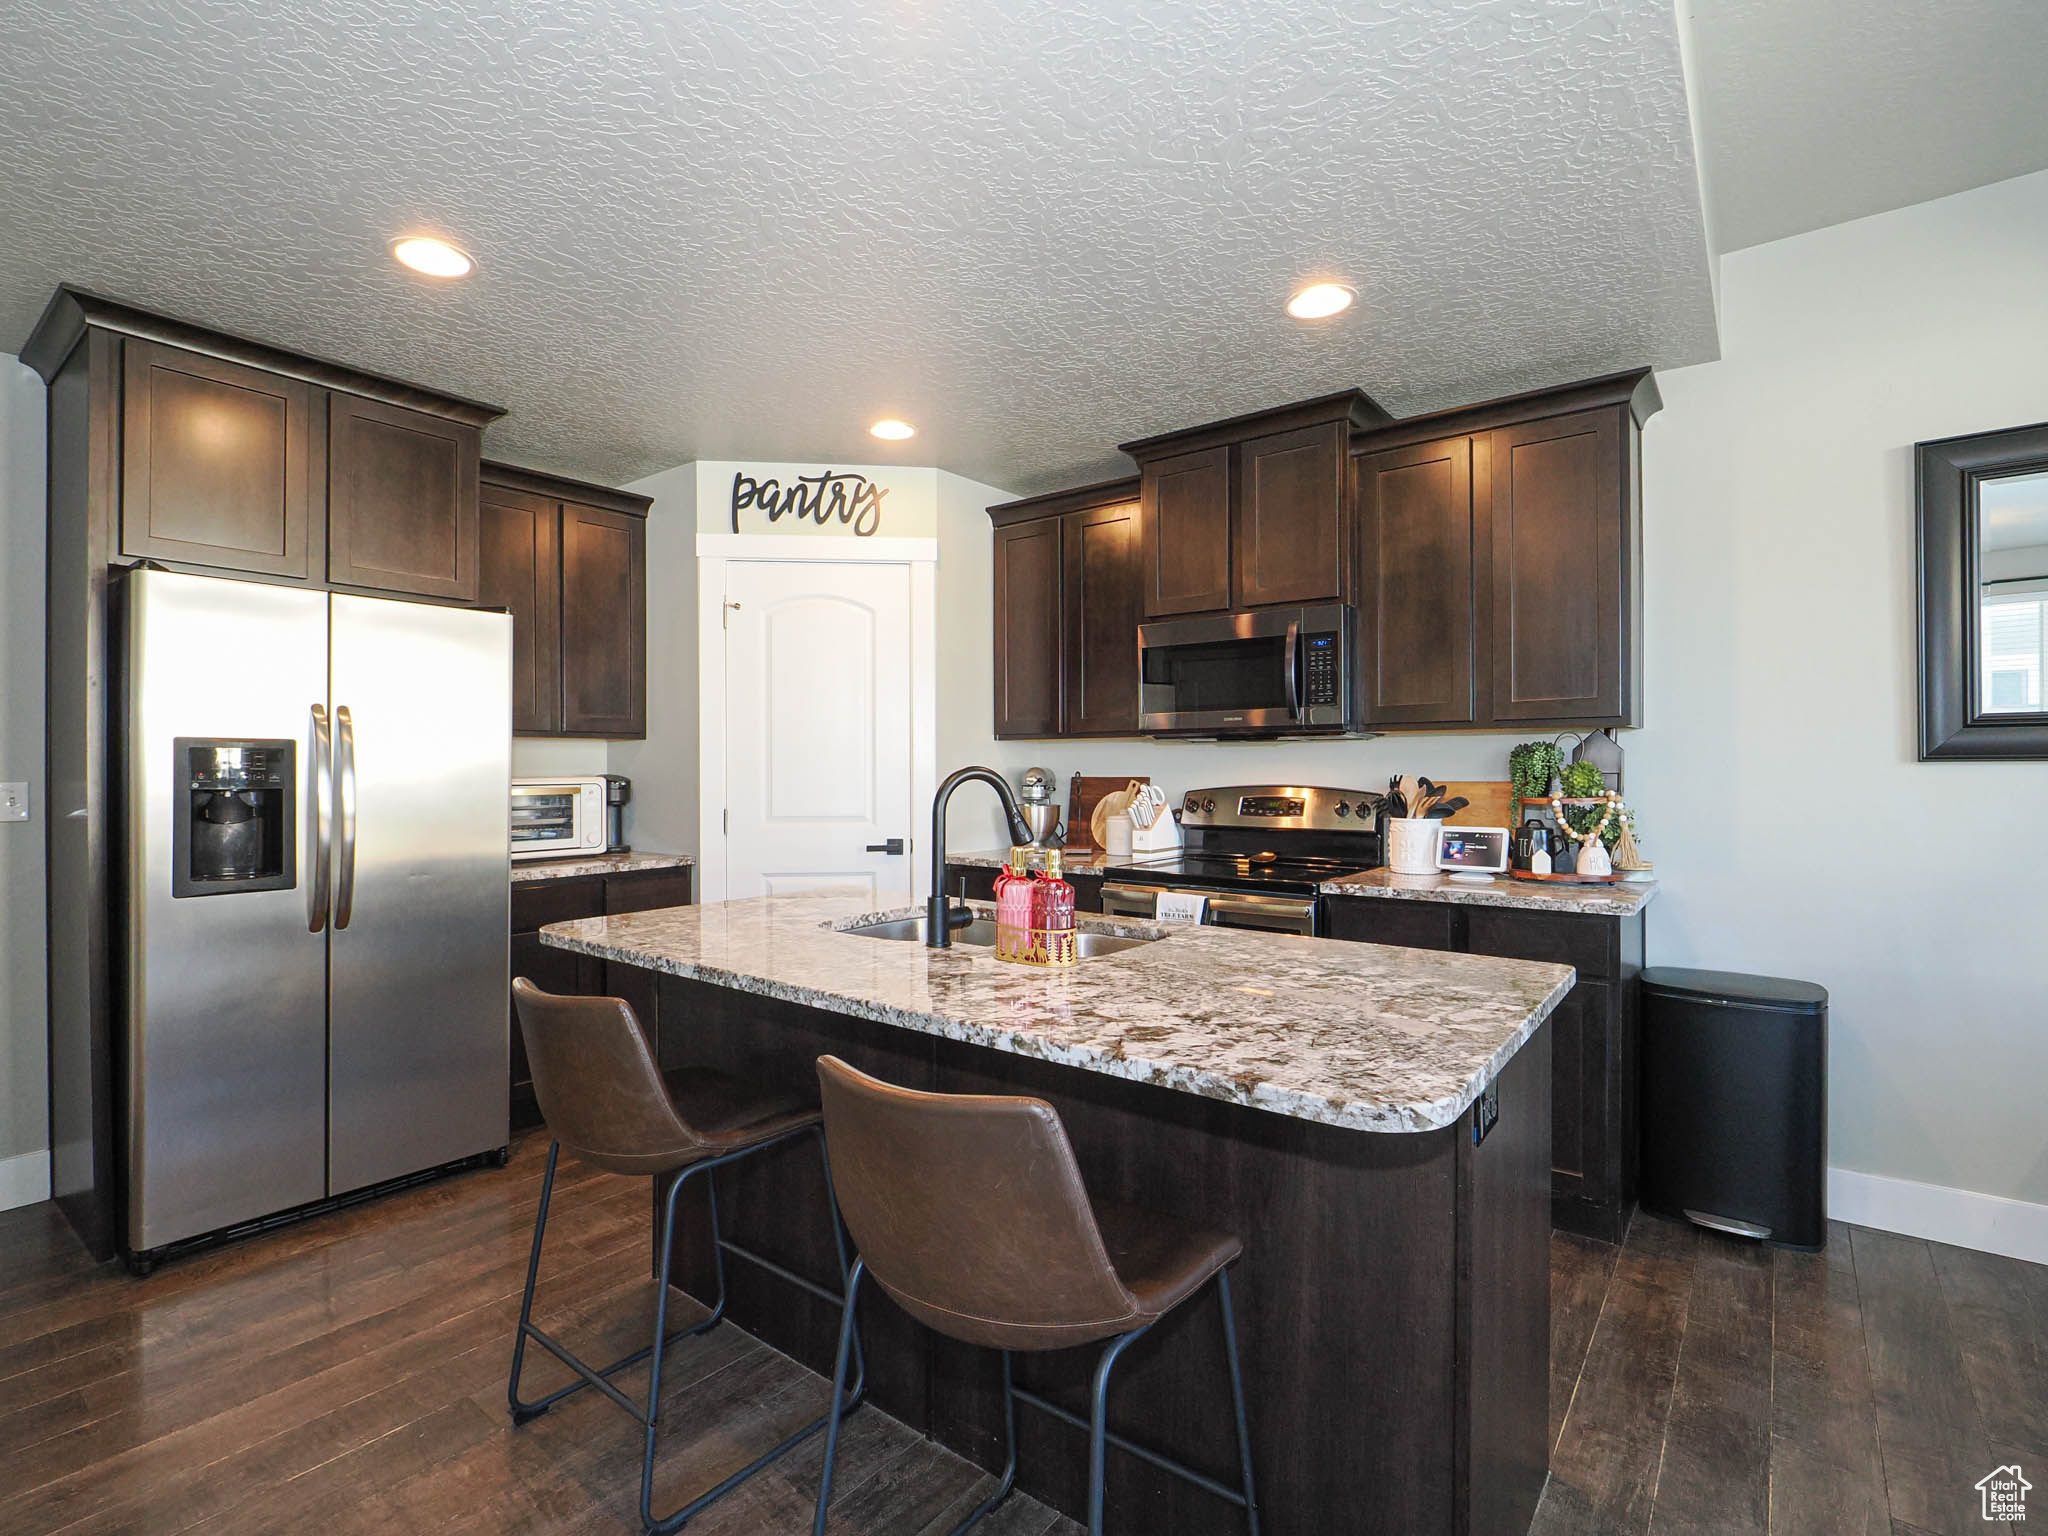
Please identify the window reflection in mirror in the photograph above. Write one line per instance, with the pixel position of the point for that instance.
(2012, 593)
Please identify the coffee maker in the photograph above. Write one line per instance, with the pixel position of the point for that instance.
(618, 789)
(235, 821)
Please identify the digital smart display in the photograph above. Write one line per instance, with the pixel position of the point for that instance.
(1476, 850)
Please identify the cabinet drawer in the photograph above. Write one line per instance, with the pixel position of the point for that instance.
(1589, 943)
(646, 892)
(1405, 924)
(537, 903)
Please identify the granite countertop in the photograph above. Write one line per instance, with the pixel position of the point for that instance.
(1363, 1036)
(597, 864)
(1621, 900)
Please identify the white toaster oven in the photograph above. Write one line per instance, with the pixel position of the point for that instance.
(557, 818)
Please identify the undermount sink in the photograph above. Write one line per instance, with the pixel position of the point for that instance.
(982, 933)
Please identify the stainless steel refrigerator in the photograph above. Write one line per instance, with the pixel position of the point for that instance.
(316, 895)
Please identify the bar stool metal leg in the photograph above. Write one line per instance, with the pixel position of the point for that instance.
(1098, 1424)
(847, 1331)
(1244, 1439)
(1008, 1481)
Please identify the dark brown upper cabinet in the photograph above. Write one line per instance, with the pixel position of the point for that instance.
(1543, 611)
(519, 569)
(1983, 543)
(569, 561)
(604, 622)
(1291, 528)
(1027, 633)
(1185, 501)
(1250, 512)
(1563, 574)
(215, 466)
(1066, 613)
(401, 500)
(1099, 610)
(1418, 644)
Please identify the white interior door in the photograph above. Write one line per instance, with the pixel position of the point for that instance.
(818, 726)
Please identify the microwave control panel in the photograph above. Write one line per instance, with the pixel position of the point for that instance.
(1322, 680)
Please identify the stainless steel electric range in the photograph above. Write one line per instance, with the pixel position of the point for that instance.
(1256, 854)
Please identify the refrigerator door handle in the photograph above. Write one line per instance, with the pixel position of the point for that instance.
(323, 813)
(345, 815)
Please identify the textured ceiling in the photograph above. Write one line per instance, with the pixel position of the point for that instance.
(1817, 111)
(1033, 228)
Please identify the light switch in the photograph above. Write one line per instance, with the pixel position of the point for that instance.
(13, 802)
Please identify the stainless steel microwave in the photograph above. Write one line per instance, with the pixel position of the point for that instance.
(557, 818)
(1264, 672)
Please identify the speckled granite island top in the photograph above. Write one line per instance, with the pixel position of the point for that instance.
(528, 870)
(1362, 1036)
(1624, 899)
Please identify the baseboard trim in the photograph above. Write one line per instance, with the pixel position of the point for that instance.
(1961, 1217)
(24, 1180)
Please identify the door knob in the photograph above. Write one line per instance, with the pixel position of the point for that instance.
(894, 845)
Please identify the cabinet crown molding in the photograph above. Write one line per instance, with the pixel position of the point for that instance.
(1636, 389)
(559, 488)
(1352, 405)
(71, 311)
(1104, 493)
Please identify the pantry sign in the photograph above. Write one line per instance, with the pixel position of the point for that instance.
(817, 500)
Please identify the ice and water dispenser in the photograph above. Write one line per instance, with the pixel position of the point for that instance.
(235, 820)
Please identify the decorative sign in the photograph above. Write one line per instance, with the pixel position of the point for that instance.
(828, 497)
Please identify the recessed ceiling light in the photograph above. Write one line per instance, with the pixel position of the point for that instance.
(1319, 301)
(890, 430)
(436, 258)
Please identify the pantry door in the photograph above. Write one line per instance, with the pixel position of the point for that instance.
(818, 746)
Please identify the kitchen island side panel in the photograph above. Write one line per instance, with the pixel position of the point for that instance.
(1358, 1260)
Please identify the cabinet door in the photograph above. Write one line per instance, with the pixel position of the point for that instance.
(1099, 603)
(1584, 1095)
(1418, 637)
(1559, 585)
(401, 500)
(1290, 517)
(1027, 619)
(1184, 511)
(1403, 924)
(604, 623)
(519, 568)
(215, 466)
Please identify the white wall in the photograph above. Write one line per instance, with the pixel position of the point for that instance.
(662, 815)
(1794, 829)
(24, 1077)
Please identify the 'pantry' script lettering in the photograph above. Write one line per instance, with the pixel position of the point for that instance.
(852, 499)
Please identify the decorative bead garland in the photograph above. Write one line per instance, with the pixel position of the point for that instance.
(1585, 839)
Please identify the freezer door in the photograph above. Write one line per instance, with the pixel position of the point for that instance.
(418, 1042)
(226, 1017)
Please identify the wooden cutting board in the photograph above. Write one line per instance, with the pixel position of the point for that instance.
(1492, 803)
(1083, 795)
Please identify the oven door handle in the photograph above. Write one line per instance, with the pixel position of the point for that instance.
(1129, 900)
(1281, 914)
(1294, 669)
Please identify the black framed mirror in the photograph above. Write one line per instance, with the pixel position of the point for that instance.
(1983, 530)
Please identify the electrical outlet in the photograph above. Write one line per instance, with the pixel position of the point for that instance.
(13, 802)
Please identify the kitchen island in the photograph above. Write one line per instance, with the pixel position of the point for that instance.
(1373, 1122)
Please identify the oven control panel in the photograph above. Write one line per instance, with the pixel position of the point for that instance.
(1295, 807)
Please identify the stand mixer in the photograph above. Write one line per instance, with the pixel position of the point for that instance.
(1036, 789)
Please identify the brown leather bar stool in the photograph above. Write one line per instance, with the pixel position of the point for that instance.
(969, 1211)
(606, 1101)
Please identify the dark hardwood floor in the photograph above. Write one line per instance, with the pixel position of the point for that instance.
(348, 1375)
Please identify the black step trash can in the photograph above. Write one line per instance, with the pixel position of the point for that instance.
(1735, 1103)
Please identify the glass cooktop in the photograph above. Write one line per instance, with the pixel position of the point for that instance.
(1253, 871)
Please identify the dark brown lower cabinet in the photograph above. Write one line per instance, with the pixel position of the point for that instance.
(1594, 1033)
(535, 904)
